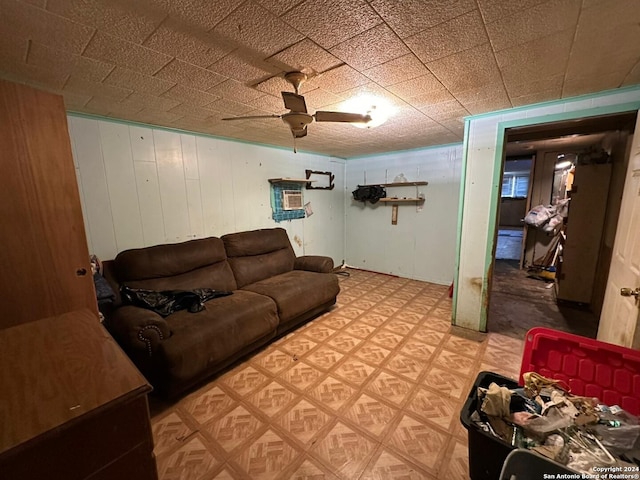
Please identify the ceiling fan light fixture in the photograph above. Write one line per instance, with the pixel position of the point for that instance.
(378, 108)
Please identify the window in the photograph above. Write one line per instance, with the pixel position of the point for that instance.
(515, 184)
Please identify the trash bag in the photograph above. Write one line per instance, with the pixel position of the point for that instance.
(372, 193)
(539, 215)
(169, 301)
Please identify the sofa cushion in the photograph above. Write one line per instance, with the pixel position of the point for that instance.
(258, 254)
(193, 264)
(199, 341)
(297, 292)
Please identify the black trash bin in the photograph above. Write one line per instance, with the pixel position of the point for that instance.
(526, 465)
(487, 453)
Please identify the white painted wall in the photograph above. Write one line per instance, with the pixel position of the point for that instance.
(482, 184)
(144, 186)
(422, 245)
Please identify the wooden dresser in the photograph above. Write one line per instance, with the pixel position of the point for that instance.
(72, 405)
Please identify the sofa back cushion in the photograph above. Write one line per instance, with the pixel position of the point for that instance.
(259, 254)
(193, 264)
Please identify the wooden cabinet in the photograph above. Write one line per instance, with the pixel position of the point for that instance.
(587, 208)
(72, 406)
(43, 248)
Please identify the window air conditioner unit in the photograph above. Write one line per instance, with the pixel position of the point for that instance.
(292, 200)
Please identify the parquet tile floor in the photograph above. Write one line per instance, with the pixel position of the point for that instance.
(369, 390)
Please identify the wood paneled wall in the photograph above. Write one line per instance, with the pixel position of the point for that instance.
(143, 186)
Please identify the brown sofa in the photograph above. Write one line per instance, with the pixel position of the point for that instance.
(273, 292)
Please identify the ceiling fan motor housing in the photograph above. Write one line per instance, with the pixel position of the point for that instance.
(297, 120)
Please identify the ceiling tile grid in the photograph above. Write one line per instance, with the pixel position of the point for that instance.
(188, 64)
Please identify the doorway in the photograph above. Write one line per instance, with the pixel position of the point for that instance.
(559, 277)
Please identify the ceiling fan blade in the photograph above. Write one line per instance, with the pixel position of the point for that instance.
(294, 102)
(341, 117)
(252, 117)
(299, 133)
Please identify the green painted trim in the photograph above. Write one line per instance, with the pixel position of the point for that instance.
(499, 147)
(491, 227)
(463, 177)
(572, 115)
(410, 150)
(560, 101)
(196, 134)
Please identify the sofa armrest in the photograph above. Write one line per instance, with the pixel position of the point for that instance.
(138, 328)
(314, 263)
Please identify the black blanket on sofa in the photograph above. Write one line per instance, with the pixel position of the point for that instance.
(168, 301)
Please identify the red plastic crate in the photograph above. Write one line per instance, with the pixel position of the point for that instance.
(589, 367)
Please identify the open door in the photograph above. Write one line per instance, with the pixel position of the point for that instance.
(621, 314)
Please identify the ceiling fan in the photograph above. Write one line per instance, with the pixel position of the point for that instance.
(298, 118)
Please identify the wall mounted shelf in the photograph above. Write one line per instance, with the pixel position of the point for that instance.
(396, 184)
(290, 180)
(401, 200)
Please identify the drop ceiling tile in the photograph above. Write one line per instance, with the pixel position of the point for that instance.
(110, 107)
(242, 68)
(444, 110)
(197, 48)
(537, 22)
(493, 10)
(197, 15)
(338, 80)
(80, 85)
(73, 102)
(126, 20)
(126, 54)
(480, 92)
(614, 48)
(189, 75)
(151, 102)
(330, 22)
(453, 36)
(542, 57)
(268, 103)
(259, 32)
(16, 70)
(536, 87)
(155, 117)
(67, 63)
(318, 98)
(192, 124)
(305, 56)
(417, 87)
(432, 97)
(455, 126)
(190, 96)
(397, 70)
(370, 48)
(409, 17)
(44, 27)
(14, 48)
(234, 90)
(489, 104)
(580, 85)
(536, 97)
(194, 112)
(229, 107)
(123, 77)
(633, 77)
(598, 14)
(467, 70)
(279, 7)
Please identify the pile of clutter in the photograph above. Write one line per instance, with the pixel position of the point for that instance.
(578, 432)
